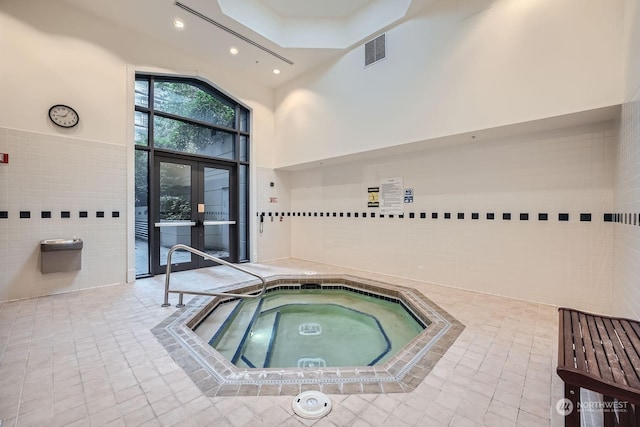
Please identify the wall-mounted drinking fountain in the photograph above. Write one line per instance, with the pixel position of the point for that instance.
(60, 255)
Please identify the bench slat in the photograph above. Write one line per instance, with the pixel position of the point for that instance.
(601, 357)
(628, 353)
(632, 334)
(568, 359)
(588, 340)
(612, 359)
(623, 359)
(577, 342)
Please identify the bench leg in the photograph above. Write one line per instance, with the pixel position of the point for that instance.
(572, 393)
(626, 416)
(609, 413)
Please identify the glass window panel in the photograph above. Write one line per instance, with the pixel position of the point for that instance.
(242, 217)
(175, 191)
(142, 212)
(187, 100)
(141, 128)
(244, 121)
(180, 136)
(244, 148)
(142, 93)
(216, 208)
(175, 205)
(171, 236)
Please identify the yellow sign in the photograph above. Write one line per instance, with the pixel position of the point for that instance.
(374, 198)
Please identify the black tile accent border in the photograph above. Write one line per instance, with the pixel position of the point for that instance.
(100, 214)
(85, 214)
(45, 214)
(623, 218)
(65, 214)
(25, 214)
(115, 214)
(4, 214)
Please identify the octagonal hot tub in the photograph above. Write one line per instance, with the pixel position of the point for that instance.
(335, 334)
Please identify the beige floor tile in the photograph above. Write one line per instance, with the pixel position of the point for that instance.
(89, 358)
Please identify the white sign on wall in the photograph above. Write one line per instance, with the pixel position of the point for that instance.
(408, 195)
(391, 196)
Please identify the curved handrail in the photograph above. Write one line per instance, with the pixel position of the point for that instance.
(215, 294)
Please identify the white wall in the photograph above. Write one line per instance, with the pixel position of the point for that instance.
(52, 53)
(626, 291)
(274, 236)
(448, 73)
(568, 170)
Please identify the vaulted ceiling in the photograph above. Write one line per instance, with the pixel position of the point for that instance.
(292, 36)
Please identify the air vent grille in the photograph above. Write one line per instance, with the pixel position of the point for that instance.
(375, 50)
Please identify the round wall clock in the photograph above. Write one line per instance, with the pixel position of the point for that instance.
(63, 116)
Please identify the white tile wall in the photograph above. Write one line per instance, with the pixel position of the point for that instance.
(626, 290)
(561, 171)
(273, 239)
(57, 173)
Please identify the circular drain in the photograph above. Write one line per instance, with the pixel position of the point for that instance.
(311, 404)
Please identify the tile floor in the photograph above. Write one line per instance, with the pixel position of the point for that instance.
(89, 358)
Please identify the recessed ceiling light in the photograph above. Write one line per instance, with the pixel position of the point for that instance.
(276, 71)
(233, 51)
(178, 23)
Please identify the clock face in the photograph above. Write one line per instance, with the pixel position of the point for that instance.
(63, 116)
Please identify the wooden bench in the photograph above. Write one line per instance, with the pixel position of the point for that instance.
(600, 353)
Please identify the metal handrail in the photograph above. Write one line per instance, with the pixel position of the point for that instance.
(214, 294)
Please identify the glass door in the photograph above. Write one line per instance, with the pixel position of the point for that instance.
(194, 208)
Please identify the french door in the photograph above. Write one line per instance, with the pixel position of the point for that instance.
(195, 206)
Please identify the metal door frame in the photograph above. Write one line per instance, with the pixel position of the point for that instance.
(196, 220)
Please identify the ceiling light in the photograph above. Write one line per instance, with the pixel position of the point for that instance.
(276, 71)
(233, 51)
(178, 23)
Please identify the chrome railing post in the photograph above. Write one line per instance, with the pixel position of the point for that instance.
(212, 258)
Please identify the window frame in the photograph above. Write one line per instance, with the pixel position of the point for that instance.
(236, 163)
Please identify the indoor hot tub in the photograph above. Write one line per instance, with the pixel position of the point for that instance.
(335, 334)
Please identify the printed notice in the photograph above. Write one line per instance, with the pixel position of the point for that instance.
(391, 196)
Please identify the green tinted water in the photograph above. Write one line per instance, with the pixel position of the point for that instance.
(315, 328)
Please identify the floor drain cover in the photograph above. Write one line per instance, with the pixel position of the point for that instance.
(311, 404)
